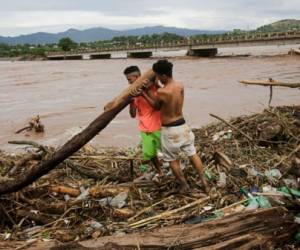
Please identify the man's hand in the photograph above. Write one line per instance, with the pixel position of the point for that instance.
(136, 92)
(146, 83)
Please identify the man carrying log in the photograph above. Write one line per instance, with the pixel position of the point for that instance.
(176, 135)
(142, 106)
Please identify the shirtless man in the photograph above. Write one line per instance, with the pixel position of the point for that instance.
(176, 135)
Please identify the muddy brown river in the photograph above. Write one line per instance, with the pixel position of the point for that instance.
(68, 95)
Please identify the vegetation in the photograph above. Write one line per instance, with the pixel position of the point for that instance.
(283, 25)
(67, 44)
(25, 50)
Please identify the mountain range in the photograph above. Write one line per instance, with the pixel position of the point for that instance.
(96, 34)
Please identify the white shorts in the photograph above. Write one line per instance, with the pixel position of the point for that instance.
(176, 139)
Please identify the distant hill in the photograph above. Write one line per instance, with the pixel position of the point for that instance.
(281, 26)
(96, 34)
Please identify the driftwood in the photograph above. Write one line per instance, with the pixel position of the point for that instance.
(34, 124)
(262, 229)
(270, 83)
(78, 141)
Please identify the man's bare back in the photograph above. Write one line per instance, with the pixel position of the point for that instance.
(171, 97)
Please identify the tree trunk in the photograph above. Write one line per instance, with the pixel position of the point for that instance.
(75, 143)
(260, 229)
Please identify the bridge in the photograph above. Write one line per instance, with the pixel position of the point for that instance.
(205, 47)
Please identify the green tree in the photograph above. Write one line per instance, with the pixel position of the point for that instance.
(67, 44)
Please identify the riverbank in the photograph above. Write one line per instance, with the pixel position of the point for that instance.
(95, 193)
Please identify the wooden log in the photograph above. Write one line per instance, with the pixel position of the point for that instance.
(65, 190)
(78, 141)
(105, 191)
(270, 83)
(264, 228)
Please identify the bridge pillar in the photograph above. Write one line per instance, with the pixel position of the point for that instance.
(145, 54)
(56, 58)
(202, 52)
(73, 57)
(100, 56)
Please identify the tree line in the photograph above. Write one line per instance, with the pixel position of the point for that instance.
(66, 44)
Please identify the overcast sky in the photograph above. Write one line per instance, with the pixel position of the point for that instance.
(28, 16)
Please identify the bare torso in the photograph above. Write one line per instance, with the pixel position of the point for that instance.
(171, 97)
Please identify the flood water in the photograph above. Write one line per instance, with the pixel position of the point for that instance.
(68, 95)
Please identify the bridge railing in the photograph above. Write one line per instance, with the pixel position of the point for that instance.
(212, 40)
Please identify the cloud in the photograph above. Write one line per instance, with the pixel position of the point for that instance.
(28, 16)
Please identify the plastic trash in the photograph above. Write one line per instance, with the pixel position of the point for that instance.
(84, 194)
(253, 172)
(222, 135)
(208, 175)
(119, 200)
(67, 197)
(255, 202)
(222, 180)
(292, 183)
(252, 204)
(246, 193)
(268, 188)
(263, 202)
(289, 191)
(207, 208)
(105, 201)
(96, 225)
(144, 168)
(273, 174)
(228, 135)
(254, 189)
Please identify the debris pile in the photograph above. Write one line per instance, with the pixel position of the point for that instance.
(251, 162)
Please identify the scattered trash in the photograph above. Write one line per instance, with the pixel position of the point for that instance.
(222, 180)
(273, 174)
(289, 191)
(222, 135)
(108, 190)
(144, 168)
(119, 200)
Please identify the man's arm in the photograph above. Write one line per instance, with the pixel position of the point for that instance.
(154, 101)
(132, 109)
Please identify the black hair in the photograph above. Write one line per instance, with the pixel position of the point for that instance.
(131, 69)
(163, 67)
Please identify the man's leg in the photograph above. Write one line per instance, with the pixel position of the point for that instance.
(175, 166)
(197, 163)
(157, 164)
